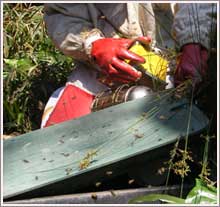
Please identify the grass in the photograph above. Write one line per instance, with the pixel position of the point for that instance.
(33, 67)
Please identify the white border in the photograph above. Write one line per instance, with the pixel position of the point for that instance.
(1, 101)
(218, 184)
(1, 96)
(113, 1)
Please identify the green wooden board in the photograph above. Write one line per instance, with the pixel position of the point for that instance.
(41, 157)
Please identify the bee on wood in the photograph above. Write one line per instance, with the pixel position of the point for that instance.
(68, 171)
(25, 161)
(86, 161)
(162, 117)
(138, 136)
(61, 141)
(65, 154)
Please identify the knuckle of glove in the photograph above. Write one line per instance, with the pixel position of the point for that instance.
(109, 54)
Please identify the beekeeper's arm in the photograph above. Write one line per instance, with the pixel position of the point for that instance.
(193, 26)
(73, 29)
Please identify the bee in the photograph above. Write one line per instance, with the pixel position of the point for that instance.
(98, 184)
(61, 141)
(137, 136)
(68, 171)
(94, 196)
(131, 181)
(25, 161)
(109, 173)
(84, 164)
(86, 161)
(162, 117)
(65, 154)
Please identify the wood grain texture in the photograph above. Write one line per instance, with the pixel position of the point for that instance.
(42, 157)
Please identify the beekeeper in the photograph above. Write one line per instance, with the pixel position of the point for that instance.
(97, 36)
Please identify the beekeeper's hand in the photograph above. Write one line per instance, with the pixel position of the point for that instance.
(192, 64)
(110, 53)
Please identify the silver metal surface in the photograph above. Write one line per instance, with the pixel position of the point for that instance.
(137, 92)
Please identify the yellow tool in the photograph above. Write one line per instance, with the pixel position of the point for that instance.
(154, 69)
(155, 65)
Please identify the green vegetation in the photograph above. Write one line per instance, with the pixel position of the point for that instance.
(33, 67)
(204, 190)
(200, 194)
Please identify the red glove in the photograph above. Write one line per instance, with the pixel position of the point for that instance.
(192, 65)
(110, 53)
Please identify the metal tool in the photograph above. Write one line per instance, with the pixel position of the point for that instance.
(122, 94)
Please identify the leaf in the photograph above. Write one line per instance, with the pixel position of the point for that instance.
(24, 63)
(202, 194)
(12, 63)
(20, 118)
(5, 75)
(155, 197)
(31, 69)
(6, 47)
